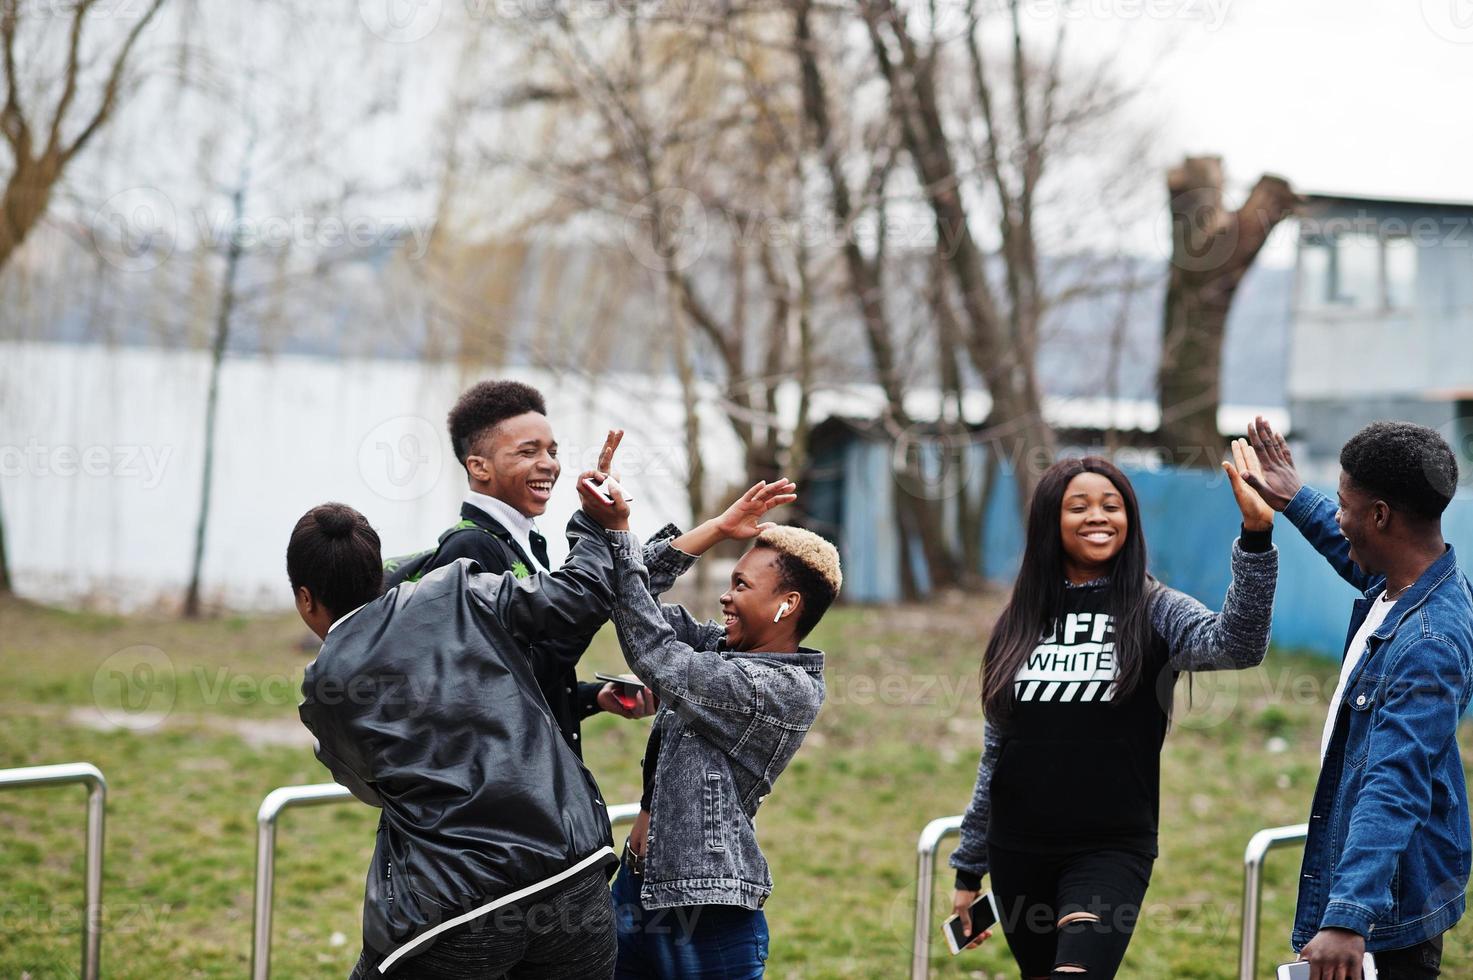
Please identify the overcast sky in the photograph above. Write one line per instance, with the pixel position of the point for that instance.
(1356, 96)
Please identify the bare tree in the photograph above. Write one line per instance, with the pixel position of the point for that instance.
(683, 123)
(1212, 249)
(1002, 338)
(220, 340)
(918, 515)
(44, 140)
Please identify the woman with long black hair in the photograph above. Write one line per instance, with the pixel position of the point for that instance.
(1077, 684)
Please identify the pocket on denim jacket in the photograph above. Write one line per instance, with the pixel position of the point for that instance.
(713, 804)
(1361, 700)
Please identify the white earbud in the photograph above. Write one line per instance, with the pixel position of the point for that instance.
(782, 611)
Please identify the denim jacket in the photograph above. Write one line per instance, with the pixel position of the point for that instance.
(729, 724)
(1388, 849)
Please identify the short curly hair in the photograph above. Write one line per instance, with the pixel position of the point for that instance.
(808, 565)
(1409, 466)
(484, 405)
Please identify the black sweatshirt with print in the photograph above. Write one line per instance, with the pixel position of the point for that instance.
(1072, 769)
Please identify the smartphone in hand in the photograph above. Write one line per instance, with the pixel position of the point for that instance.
(626, 688)
(1299, 970)
(984, 917)
(602, 489)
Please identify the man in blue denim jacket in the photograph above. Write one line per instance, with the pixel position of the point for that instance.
(1386, 864)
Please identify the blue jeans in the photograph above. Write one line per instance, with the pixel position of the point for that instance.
(691, 942)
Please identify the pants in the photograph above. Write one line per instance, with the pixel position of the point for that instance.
(1420, 962)
(565, 934)
(1034, 891)
(692, 942)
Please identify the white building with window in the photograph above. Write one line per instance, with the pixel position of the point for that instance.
(1382, 319)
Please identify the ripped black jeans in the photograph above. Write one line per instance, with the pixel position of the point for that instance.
(1035, 891)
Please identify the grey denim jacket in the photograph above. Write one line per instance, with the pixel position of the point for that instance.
(730, 724)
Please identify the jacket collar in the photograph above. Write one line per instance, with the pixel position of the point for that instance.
(1417, 595)
(477, 516)
(519, 524)
(807, 659)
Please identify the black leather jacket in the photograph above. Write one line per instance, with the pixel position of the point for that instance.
(424, 703)
(553, 657)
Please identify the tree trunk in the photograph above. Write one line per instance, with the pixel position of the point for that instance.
(1211, 250)
(1008, 369)
(915, 514)
(5, 586)
(695, 485)
(217, 356)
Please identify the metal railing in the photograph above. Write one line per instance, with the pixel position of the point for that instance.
(315, 794)
(926, 847)
(1254, 855)
(89, 775)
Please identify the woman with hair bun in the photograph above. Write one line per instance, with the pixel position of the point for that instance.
(1077, 684)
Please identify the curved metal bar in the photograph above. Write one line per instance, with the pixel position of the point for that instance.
(1254, 855)
(316, 794)
(90, 776)
(926, 847)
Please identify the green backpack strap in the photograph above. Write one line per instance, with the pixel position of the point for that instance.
(413, 567)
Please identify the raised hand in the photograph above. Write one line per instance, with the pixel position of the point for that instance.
(1277, 481)
(613, 516)
(1257, 514)
(743, 519)
(606, 454)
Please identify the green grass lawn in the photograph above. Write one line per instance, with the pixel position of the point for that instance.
(193, 723)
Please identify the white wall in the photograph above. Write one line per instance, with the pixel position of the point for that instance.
(101, 453)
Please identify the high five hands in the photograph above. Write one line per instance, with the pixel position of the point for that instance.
(1243, 470)
(1277, 481)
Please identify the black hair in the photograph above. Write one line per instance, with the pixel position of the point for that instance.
(1038, 594)
(796, 575)
(1409, 466)
(334, 552)
(483, 406)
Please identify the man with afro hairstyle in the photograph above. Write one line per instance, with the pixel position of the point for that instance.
(500, 433)
(1386, 863)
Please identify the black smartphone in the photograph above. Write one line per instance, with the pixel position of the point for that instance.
(984, 917)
